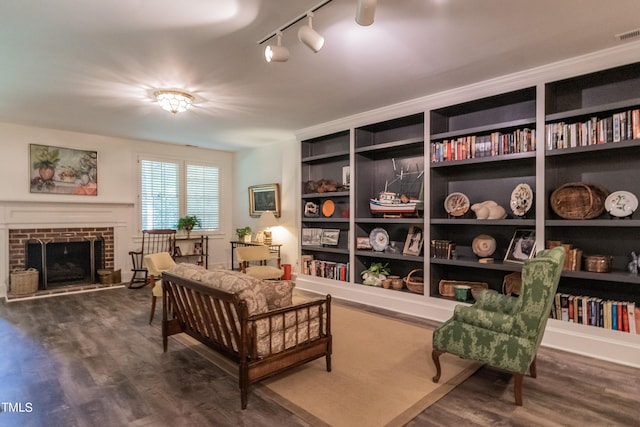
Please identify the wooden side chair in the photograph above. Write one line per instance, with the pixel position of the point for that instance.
(156, 264)
(501, 330)
(253, 262)
(153, 242)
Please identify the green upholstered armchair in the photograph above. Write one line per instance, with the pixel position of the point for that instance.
(504, 331)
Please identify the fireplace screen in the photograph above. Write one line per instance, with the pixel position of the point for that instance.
(64, 263)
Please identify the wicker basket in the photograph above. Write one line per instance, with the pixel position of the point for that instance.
(414, 283)
(577, 200)
(24, 282)
(447, 287)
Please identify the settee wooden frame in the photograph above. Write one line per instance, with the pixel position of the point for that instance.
(238, 344)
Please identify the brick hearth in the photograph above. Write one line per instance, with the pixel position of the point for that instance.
(18, 239)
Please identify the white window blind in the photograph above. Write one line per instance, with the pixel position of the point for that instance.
(203, 191)
(159, 194)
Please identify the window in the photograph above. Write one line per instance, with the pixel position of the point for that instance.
(171, 189)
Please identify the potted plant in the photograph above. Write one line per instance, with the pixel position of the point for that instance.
(187, 223)
(244, 234)
(375, 274)
(46, 161)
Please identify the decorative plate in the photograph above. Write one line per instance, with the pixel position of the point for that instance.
(379, 239)
(456, 204)
(328, 208)
(521, 199)
(621, 204)
(311, 210)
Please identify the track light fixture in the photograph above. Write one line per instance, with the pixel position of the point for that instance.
(277, 53)
(310, 37)
(306, 34)
(365, 12)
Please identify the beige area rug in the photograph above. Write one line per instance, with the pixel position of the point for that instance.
(381, 373)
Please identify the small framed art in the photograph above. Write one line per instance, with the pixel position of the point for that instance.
(522, 246)
(330, 237)
(413, 244)
(311, 236)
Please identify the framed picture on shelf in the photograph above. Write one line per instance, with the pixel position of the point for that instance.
(414, 241)
(177, 251)
(346, 176)
(311, 236)
(330, 237)
(363, 243)
(264, 198)
(522, 246)
(197, 248)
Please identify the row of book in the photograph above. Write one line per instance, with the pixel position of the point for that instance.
(615, 128)
(326, 269)
(477, 146)
(443, 249)
(617, 315)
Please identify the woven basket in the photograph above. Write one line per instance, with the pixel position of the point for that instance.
(24, 282)
(414, 283)
(447, 287)
(577, 200)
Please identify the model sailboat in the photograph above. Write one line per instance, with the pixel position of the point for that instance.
(390, 203)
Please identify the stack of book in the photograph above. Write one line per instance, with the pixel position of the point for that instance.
(326, 269)
(616, 315)
(476, 146)
(615, 128)
(443, 249)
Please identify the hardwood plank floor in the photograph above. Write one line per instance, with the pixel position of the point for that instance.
(91, 359)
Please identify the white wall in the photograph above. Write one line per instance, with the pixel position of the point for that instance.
(117, 189)
(276, 163)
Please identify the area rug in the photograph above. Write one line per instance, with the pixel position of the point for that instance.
(381, 373)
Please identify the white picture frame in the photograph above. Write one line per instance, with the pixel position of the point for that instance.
(311, 236)
(522, 246)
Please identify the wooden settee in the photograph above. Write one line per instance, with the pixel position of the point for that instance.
(226, 311)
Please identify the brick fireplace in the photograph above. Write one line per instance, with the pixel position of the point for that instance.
(96, 244)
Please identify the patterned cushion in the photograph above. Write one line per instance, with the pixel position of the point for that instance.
(247, 288)
(277, 292)
(188, 271)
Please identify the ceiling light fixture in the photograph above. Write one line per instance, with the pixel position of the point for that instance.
(365, 12)
(307, 35)
(174, 101)
(310, 37)
(277, 53)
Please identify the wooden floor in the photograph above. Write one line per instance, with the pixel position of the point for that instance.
(91, 359)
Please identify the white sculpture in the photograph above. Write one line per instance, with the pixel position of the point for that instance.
(489, 210)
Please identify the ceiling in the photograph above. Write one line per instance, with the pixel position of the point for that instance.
(90, 66)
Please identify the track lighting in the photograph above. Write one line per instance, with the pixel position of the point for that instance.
(365, 12)
(310, 37)
(277, 53)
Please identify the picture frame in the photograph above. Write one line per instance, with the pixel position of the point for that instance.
(311, 236)
(522, 246)
(346, 176)
(262, 198)
(330, 237)
(415, 240)
(58, 170)
(177, 251)
(197, 248)
(363, 243)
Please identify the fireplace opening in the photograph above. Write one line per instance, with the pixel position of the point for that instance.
(65, 263)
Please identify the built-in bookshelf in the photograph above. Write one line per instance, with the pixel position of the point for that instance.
(583, 129)
(324, 234)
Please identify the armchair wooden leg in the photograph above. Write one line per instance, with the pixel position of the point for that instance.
(517, 387)
(435, 355)
(153, 307)
(532, 369)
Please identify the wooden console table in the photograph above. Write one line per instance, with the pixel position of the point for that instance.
(274, 248)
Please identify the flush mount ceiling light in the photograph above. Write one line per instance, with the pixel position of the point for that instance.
(277, 53)
(365, 12)
(174, 101)
(310, 37)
